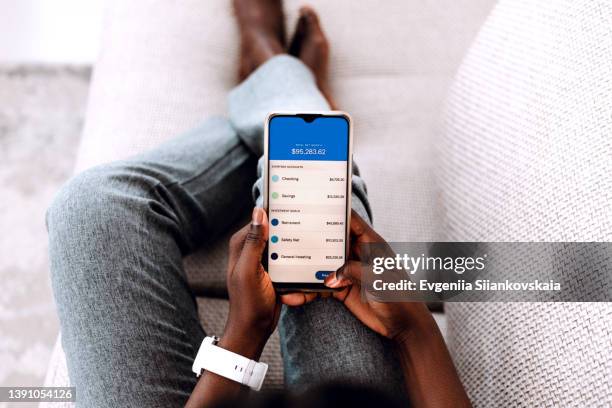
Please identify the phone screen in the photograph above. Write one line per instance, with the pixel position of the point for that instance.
(307, 195)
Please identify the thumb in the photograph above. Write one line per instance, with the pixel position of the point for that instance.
(255, 241)
(348, 273)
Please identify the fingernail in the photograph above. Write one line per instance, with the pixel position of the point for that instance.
(257, 217)
(332, 281)
(338, 273)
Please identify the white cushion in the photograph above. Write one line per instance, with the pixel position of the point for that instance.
(526, 155)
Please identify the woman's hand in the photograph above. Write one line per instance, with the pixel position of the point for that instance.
(254, 306)
(253, 312)
(254, 309)
(390, 319)
(423, 355)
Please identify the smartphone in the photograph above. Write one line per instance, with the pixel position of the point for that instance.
(307, 194)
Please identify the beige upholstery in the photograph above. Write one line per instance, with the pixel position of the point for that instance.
(526, 155)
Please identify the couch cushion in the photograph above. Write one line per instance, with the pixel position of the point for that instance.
(526, 156)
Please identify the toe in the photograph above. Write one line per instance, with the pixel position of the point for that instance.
(313, 26)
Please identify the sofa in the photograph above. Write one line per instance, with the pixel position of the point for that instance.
(474, 121)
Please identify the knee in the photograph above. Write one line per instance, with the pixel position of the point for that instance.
(84, 204)
(75, 225)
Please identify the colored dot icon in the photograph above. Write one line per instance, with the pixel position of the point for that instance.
(274, 221)
(274, 238)
(275, 178)
(274, 195)
(274, 256)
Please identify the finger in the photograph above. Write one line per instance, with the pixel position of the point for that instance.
(236, 243)
(254, 243)
(350, 270)
(361, 230)
(264, 222)
(362, 233)
(334, 281)
(297, 299)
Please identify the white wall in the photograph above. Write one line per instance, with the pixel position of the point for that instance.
(50, 31)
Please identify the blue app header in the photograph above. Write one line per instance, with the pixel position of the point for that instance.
(292, 138)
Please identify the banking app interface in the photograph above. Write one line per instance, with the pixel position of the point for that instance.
(307, 187)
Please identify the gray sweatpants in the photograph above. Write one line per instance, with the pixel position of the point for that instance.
(118, 234)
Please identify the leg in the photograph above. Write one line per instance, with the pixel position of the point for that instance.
(320, 341)
(117, 235)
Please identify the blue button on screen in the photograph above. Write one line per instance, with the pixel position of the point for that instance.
(321, 275)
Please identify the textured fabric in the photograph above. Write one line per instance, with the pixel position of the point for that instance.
(526, 156)
(312, 351)
(533, 354)
(213, 315)
(249, 105)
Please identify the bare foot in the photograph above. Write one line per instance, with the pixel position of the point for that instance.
(310, 45)
(262, 32)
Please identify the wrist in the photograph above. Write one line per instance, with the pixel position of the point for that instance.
(421, 328)
(245, 342)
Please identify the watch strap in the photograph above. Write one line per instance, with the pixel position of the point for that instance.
(228, 364)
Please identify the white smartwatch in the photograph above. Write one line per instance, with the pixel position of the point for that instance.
(227, 364)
